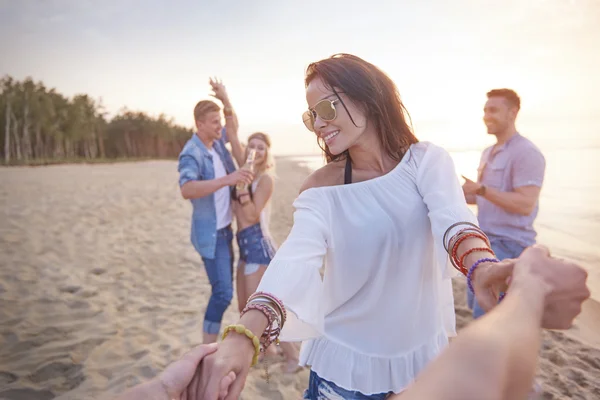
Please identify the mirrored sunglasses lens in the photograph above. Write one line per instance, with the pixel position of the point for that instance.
(326, 110)
(308, 121)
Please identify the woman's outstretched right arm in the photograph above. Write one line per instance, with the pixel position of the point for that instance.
(495, 357)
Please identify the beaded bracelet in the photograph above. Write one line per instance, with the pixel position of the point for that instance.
(259, 307)
(472, 270)
(454, 251)
(269, 304)
(454, 255)
(270, 332)
(266, 307)
(473, 250)
(242, 330)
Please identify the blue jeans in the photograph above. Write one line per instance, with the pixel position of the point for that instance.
(503, 248)
(220, 275)
(322, 389)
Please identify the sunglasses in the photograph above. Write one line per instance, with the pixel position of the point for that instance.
(324, 109)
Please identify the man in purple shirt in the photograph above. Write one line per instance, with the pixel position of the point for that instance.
(509, 181)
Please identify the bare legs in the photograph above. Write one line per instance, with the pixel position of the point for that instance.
(245, 286)
(240, 286)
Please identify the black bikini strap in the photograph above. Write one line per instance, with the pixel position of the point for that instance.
(348, 171)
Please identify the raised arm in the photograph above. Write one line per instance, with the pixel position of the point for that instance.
(496, 356)
(231, 120)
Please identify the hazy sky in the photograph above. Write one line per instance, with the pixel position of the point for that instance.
(156, 56)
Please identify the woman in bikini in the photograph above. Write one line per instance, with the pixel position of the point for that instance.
(253, 211)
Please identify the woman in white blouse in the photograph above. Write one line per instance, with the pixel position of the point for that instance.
(374, 217)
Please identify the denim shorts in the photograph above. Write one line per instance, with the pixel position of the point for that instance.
(322, 389)
(255, 248)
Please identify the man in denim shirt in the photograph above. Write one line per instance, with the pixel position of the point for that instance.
(206, 174)
(510, 177)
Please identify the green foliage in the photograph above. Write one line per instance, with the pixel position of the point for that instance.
(40, 126)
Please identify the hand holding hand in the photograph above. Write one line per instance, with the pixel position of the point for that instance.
(176, 378)
(231, 360)
(563, 283)
(489, 280)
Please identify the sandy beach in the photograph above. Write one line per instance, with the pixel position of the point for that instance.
(100, 287)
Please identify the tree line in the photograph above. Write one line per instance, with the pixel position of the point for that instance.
(40, 125)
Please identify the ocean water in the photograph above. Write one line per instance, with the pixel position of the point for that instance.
(569, 218)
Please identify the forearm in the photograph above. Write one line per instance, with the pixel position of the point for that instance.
(511, 202)
(198, 189)
(237, 150)
(231, 127)
(152, 390)
(233, 121)
(493, 358)
(255, 321)
(471, 258)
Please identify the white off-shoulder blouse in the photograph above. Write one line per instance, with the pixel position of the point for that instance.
(383, 307)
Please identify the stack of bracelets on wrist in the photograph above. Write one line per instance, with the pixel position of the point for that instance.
(452, 244)
(273, 309)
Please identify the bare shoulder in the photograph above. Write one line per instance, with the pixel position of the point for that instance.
(329, 175)
(266, 183)
(266, 179)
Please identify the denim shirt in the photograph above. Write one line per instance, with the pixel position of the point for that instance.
(196, 164)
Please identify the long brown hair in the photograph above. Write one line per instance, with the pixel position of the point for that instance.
(370, 87)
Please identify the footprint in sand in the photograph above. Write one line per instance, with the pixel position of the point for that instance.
(98, 271)
(578, 376)
(71, 373)
(139, 354)
(26, 394)
(70, 289)
(7, 378)
(556, 357)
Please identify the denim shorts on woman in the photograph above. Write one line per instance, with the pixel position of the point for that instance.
(322, 389)
(254, 247)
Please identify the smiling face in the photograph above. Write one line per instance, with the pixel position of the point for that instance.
(209, 126)
(340, 133)
(262, 151)
(500, 113)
